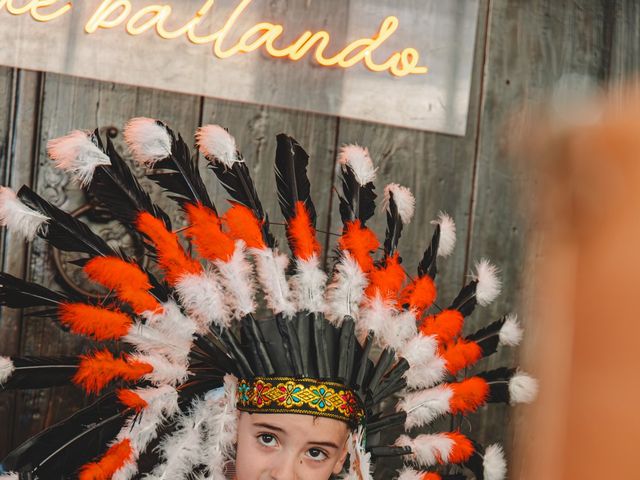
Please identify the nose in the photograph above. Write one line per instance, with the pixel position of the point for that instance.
(285, 467)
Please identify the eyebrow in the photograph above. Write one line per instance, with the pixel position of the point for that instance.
(270, 426)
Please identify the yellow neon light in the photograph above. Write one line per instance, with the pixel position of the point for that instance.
(112, 13)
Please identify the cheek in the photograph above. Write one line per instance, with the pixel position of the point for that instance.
(251, 461)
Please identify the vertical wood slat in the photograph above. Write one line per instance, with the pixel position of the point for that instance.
(18, 131)
(533, 45)
(71, 103)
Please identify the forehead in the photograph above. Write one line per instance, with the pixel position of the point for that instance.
(297, 425)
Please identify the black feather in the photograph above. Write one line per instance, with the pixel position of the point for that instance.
(62, 449)
(357, 202)
(179, 175)
(291, 177)
(428, 264)
(394, 227)
(40, 372)
(117, 188)
(237, 181)
(488, 337)
(466, 301)
(498, 381)
(18, 293)
(62, 230)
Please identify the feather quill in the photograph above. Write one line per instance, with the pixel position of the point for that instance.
(18, 373)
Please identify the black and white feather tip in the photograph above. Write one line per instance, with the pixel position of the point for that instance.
(357, 201)
(77, 154)
(18, 217)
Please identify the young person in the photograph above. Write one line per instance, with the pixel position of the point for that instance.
(209, 386)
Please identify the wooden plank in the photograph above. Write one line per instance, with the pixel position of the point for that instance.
(532, 46)
(22, 90)
(70, 103)
(625, 45)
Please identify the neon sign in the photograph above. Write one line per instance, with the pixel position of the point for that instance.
(113, 13)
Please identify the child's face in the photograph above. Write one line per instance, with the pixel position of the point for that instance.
(289, 447)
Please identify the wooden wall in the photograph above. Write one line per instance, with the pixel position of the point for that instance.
(524, 48)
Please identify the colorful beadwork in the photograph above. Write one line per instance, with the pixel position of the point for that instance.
(299, 395)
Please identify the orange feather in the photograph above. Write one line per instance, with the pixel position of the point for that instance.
(130, 283)
(172, 258)
(360, 242)
(460, 354)
(112, 461)
(97, 322)
(468, 395)
(431, 476)
(462, 448)
(445, 325)
(206, 233)
(419, 294)
(131, 399)
(243, 225)
(302, 235)
(386, 281)
(98, 370)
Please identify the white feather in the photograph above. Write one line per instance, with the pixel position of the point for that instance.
(308, 285)
(523, 388)
(6, 369)
(237, 279)
(346, 290)
(427, 449)
(165, 372)
(494, 463)
(410, 474)
(173, 322)
(77, 155)
(221, 426)
(271, 266)
(404, 200)
(424, 406)
(447, 234)
(204, 299)
(17, 217)
(151, 340)
(360, 460)
(358, 159)
(376, 315)
(148, 140)
(215, 143)
(9, 476)
(489, 284)
(142, 428)
(425, 367)
(183, 450)
(397, 332)
(511, 331)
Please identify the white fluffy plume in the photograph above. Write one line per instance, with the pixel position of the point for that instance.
(523, 388)
(425, 367)
(271, 266)
(404, 199)
(489, 284)
(77, 155)
(183, 450)
(360, 460)
(494, 464)
(447, 234)
(204, 299)
(141, 429)
(17, 217)
(428, 449)
(237, 279)
(215, 143)
(401, 328)
(308, 284)
(424, 406)
(6, 369)
(165, 372)
(148, 140)
(153, 341)
(9, 476)
(345, 292)
(358, 159)
(377, 316)
(220, 427)
(511, 332)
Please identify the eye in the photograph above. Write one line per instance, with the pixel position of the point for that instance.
(316, 454)
(267, 440)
